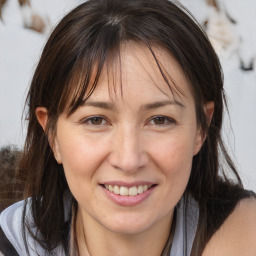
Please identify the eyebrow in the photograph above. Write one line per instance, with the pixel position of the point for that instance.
(153, 105)
(159, 104)
(98, 104)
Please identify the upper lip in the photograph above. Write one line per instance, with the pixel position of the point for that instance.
(128, 184)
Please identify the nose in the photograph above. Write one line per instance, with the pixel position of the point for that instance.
(127, 152)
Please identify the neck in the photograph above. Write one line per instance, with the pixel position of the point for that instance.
(95, 240)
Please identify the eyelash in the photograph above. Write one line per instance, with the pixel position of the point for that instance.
(88, 121)
(166, 121)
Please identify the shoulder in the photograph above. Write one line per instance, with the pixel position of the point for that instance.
(16, 234)
(237, 235)
(11, 226)
(6, 248)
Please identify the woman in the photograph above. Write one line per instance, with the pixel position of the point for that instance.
(123, 153)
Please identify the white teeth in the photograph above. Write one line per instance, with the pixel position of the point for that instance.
(116, 190)
(140, 189)
(125, 191)
(133, 191)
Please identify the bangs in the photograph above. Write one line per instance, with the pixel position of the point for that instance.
(87, 72)
(86, 67)
(88, 41)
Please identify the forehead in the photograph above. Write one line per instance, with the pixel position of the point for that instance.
(138, 70)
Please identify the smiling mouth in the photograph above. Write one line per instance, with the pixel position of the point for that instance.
(125, 191)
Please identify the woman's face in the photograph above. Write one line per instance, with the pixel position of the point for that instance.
(127, 155)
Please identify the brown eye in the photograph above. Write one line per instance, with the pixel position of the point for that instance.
(97, 120)
(160, 120)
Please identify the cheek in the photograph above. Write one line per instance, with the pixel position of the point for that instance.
(80, 158)
(173, 151)
(177, 166)
(174, 157)
(80, 153)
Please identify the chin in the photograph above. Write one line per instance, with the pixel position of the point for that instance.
(128, 225)
(128, 229)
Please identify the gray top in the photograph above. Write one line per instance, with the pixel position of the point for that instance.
(11, 224)
(186, 224)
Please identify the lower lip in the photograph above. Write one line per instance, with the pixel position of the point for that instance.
(128, 200)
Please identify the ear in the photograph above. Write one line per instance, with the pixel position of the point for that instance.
(42, 117)
(200, 136)
(209, 110)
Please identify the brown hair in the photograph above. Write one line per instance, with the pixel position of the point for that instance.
(89, 36)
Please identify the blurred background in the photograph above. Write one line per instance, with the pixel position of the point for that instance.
(230, 24)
